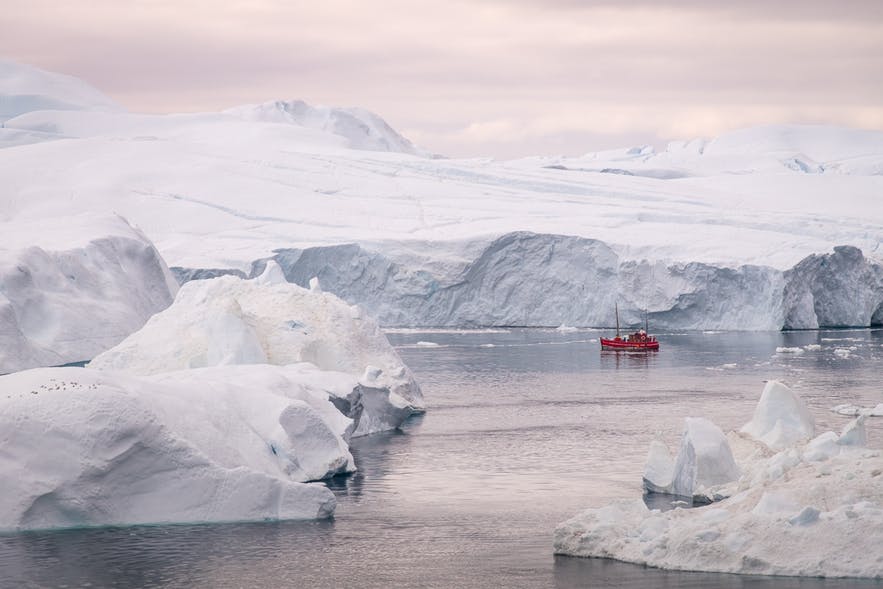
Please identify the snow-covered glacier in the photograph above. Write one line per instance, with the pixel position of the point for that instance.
(72, 288)
(83, 447)
(705, 234)
(265, 320)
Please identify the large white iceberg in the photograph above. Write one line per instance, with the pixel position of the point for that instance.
(815, 508)
(72, 288)
(228, 320)
(82, 447)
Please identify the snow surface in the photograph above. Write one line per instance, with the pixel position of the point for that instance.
(72, 288)
(178, 175)
(82, 447)
(228, 321)
(814, 508)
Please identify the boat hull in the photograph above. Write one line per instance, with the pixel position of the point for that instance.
(624, 346)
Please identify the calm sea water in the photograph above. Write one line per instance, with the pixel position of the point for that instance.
(524, 429)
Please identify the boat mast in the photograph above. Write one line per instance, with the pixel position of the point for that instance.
(617, 318)
(646, 322)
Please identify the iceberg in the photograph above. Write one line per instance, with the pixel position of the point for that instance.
(230, 321)
(814, 508)
(72, 288)
(82, 447)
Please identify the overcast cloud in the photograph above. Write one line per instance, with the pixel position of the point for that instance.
(480, 77)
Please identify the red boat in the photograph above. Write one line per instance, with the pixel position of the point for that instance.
(639, 341)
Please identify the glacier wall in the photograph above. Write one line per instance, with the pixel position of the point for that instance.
(528, 279)
(834, 290)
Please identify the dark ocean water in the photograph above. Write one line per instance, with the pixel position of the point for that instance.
(524, 429)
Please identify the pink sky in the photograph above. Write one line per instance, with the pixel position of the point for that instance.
(479, 77)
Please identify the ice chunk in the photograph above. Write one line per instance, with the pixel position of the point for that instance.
(822, 447)
(808, 515)
(272, 274)
(659, 471)
(795, 351)
(854, 434)
(704, 459)
(781, 418)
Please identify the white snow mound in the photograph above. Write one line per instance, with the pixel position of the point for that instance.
(227, 320)
(85, 448)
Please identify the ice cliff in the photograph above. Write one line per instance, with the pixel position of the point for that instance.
(834, 290)
(527, 279)
(809, 507)
(72, 288)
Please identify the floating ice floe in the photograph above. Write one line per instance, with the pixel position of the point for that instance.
(855, 410)
(83, 447)
(228, 320)
(796, 351)
(813, 508)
